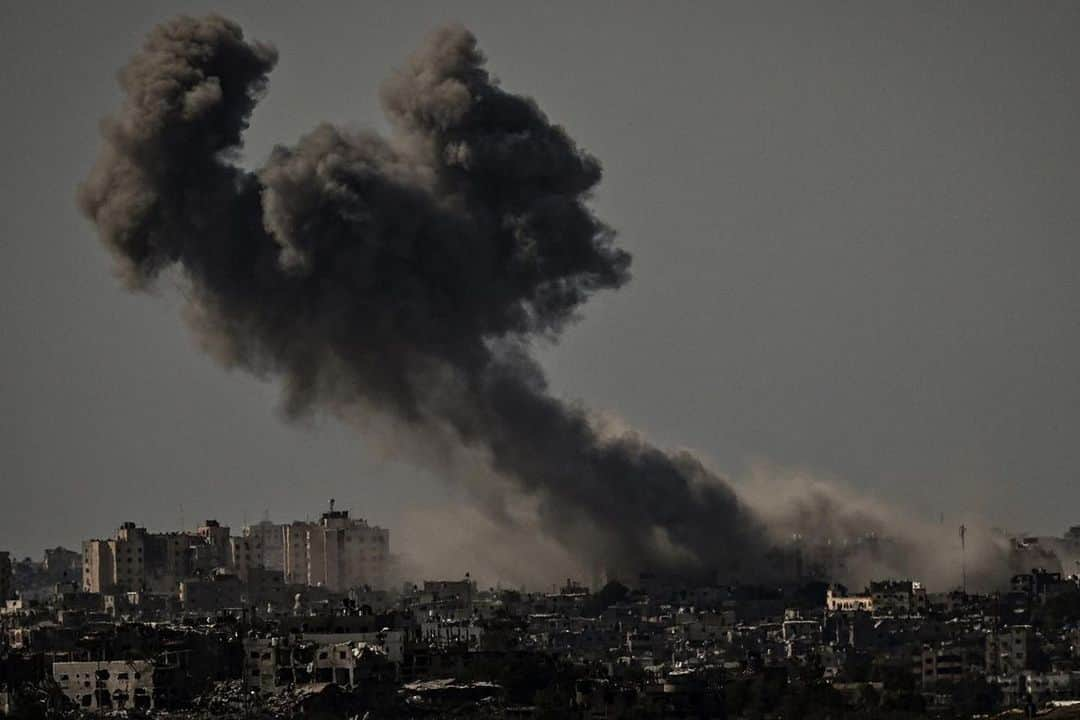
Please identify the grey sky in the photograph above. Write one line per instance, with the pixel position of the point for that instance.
(853, 231)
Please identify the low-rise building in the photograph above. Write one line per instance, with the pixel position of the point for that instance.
(273, 664)
(938, 663)
(1039, 584)
(108, 685)
(441, 633)
(216, 591)
(1010, 650)
(897, 597)
(839, 602)
(1045, 687)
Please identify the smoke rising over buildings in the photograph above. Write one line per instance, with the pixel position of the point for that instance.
(407, 276)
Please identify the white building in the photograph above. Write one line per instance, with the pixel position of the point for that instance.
(848, 603)
(337, 552)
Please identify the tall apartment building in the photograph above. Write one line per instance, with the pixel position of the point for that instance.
(337, 552)
(5, 576)
(265, 544)
(117, 563)
(135, 559)
(212, 550)
(246, 555)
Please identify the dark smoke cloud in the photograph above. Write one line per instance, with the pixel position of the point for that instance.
(407, 277)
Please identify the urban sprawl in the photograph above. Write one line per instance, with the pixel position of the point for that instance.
(312, 619)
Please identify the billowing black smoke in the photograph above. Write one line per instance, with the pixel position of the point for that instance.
(403, 275)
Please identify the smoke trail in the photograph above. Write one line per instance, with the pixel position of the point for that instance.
(404, 275)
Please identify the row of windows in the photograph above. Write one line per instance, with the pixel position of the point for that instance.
(105, 675)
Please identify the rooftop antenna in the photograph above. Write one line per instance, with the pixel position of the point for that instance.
(963, 560)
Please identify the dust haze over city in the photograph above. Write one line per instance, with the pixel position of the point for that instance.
(749, 293)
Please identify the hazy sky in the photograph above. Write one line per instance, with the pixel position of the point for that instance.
(853, 231)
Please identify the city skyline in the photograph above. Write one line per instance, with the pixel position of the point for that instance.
(485, 360)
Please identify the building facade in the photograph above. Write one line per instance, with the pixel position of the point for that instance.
(840, 602)
(62, 565)
(1010, 649)
(337, 552)
(137, 560)
(265, 543)
(5, 576)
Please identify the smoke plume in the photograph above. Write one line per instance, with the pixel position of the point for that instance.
(845, 535)
(406, 277)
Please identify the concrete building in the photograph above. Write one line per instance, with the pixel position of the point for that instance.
(898, 597)
(135, 559)
(1039, 584)
(169, 559)
(238, 554)
(934, 664)
(216, 591)
(838, 602)
(116, 564)
(110, 685)
(243, 557)
(119, 563)
(294, 558)
(1010, 650)
(337, 553)
(265, 542)
(214, 549)
(95, 685)
(801, 637)
(62, 565)
(1050, 686)
(5, 576)
(449, 593)
(442, 633)
(273, 664)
